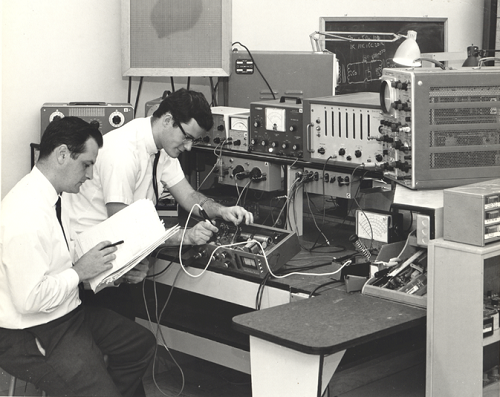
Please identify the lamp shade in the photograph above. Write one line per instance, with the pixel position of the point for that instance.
(408, 51)
(472, 56)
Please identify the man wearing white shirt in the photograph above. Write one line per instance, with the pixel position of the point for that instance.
(123, 174)
(46, 336)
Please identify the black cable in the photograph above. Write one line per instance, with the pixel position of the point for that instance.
(340, 248)
(172, 84)
(324, 167)
(291, 199)
(212, 92)
(256, 67)
(314, 219)
(188, 83)
(129, 96)
(260, 291)
(138, 96)
(321, 286)
(284, 272)
(408, 230)
(271, 213)
(160, 272)
(359, 206)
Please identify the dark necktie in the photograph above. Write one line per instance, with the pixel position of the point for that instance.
(155, 182)
(58, 214)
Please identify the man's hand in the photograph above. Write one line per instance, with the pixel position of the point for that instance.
(136, 274)
(200, 233)
(236, 215)
(95, 261)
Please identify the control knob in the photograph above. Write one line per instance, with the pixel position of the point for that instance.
(116, 120)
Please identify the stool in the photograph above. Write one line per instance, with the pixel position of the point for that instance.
(12, 386)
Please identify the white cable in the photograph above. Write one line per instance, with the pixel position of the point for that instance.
(161, 342)
(297, 273)
(211, 256)
(241, 193)
(288, 199)
(244, 243)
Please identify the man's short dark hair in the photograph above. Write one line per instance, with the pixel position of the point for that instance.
(70, 131)
(185, 105)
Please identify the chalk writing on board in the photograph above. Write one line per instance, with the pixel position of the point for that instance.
(361, 63)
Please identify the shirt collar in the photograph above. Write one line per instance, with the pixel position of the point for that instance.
(46, 190)
(149, 140)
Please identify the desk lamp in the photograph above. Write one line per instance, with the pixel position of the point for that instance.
(474, 55)
(406, 54)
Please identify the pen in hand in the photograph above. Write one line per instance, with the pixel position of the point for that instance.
(113, 245)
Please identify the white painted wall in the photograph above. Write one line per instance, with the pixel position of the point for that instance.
(69, 50)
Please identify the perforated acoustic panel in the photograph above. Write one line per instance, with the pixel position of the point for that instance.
(176, 37)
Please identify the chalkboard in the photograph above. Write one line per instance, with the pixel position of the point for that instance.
(361, 63)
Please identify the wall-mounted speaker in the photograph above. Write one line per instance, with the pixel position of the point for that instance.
(176, 37)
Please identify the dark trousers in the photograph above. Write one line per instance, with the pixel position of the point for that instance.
(74, 345)
(119, 299)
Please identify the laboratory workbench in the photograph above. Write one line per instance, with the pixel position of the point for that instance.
(195, 315)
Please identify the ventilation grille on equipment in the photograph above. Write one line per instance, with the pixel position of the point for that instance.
(87, 112)
(464, 116)
(484, 109)
(465, 159)
(452, 138)
(464, 94)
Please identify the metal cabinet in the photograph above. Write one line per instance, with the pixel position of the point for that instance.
(459, 276)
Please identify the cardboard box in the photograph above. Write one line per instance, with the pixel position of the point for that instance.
(387, 252)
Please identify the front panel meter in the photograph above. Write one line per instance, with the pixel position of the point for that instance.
(275, 119)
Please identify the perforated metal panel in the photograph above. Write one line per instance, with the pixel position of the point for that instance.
(449, 122)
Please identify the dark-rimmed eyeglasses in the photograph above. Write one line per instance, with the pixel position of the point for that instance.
(189, 137)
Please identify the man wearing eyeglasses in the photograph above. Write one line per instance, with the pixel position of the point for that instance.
(123, 172)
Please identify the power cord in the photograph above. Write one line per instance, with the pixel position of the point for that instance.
(256, 67)
(159, 334)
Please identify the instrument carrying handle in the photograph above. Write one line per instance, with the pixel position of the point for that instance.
(297, 100)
